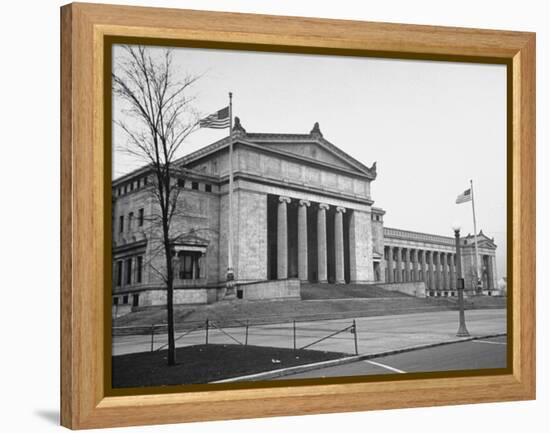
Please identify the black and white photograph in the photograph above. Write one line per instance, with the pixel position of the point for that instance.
(280, 216)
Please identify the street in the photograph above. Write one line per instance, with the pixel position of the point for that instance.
(476, 354)
(374, 334)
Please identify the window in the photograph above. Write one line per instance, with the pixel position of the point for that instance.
(138, 183)
(208, 187)
(118, 273)
(130, 221)
(181, 183)
(125, 299)
(194, 185)
(125, 189)
(128, 271)
(189, 265)
(135, 300)
(140, 217)
(145, 180)
(139, 266)
(132, 186)
(115, 300)
(121, 223)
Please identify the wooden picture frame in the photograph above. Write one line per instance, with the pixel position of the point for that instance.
(85, 215)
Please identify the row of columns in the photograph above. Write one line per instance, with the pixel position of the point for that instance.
(435, 268)
(282, 241)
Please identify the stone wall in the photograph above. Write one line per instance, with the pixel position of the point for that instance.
(286, 171)
(250, 236)
(360, 241)
(120, 310)
(275, 289)
(417, 289)
(154, 297)
(198, 216)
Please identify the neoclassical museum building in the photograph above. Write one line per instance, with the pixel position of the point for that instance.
(302, 212)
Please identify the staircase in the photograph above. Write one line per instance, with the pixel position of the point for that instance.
(316, 291)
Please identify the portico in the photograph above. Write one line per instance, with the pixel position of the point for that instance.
(310, 241)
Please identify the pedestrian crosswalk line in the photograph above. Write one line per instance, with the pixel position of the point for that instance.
(387, 367)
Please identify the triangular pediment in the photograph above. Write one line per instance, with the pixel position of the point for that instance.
(483, 241)
(486, 244)
(311, 148)
(191, 238)
(312, 151)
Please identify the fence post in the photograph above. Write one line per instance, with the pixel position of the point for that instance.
(294, 333)
(355, 336)
(152, 336)
(246, 334)
(206, 331)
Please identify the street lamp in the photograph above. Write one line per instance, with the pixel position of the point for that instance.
(462, 331)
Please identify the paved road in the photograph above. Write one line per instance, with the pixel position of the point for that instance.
(476, 354)
(375, 334)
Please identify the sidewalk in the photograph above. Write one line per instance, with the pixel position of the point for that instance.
(374, 334)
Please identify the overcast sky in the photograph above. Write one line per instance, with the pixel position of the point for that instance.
(431, 126)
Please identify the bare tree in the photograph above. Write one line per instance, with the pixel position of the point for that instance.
(158, 119)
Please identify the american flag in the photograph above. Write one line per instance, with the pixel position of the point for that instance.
(218, 120)
(464, 197)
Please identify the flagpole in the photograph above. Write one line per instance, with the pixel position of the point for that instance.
(230, 274)
(475, 233)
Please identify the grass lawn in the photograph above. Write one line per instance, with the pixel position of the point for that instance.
(203, 364)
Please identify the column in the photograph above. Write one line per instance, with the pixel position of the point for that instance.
(421, 266)
(414, 265)
(339, 244)
(407, 273)
(390, 265)
(302, 240)
(322, 243)
(431, 269)
(398, 266)
(282, 239)
(453, 272)
(444, 275)
(448, 270)
(437, 273)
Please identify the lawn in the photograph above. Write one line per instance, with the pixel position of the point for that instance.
(207, 363)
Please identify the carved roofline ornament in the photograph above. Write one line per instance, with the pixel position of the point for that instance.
(238, 127)
(316, 131)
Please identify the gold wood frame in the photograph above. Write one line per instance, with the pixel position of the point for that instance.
(85, 212)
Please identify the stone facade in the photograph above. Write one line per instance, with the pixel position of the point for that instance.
(302, 212)
(412, 257)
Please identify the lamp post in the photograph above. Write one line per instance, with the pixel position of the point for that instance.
(462, 331)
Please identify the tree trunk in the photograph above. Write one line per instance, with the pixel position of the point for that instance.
(170, 301)
(169, 272)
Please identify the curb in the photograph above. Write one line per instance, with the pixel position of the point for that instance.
(349, 359)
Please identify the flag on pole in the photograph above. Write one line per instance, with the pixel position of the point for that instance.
(218, 120)
(464, 197)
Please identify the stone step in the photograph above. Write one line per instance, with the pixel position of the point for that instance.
(313, 291)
